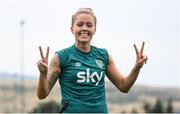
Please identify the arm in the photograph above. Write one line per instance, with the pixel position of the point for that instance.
(124, 83)
(48, 76)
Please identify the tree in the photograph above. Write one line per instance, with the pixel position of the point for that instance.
(147, 107)
(169, 106)
(158, 107)
(49, 107)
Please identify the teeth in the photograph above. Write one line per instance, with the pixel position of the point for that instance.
(84, 33)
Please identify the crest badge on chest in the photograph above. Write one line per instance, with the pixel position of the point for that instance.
(99, 63)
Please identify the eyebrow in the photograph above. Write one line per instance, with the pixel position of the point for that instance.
(84, 22)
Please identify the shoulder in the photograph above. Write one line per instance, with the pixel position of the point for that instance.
(100, 51)
(63, 55)
(65, 50)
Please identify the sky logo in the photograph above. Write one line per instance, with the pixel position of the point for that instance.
(87, 77)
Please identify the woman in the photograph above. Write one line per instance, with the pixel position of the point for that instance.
(81, 69)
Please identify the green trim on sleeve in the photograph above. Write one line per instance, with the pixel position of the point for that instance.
(62, 58)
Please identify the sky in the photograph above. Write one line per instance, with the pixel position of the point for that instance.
(120, 24)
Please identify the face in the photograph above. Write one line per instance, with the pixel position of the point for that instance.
(83, 28)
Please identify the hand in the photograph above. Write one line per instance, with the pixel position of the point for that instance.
(43, 63)
(140, 58)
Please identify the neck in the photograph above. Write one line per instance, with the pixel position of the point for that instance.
(84, 47)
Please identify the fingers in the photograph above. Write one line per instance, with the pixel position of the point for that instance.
(146, 59)
(41, 63)
(142, 48)
(137, 52)
(141, 59)
(41, 53)
(47, 53)
(43, 68)
(140, 54)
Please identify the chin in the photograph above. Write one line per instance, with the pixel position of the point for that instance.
(84, 39)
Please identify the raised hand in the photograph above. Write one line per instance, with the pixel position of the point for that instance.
(140, 58)
(43, 63)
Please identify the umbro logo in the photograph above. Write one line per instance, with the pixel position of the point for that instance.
(78, 64)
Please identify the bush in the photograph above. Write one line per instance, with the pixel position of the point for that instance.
(49, 107)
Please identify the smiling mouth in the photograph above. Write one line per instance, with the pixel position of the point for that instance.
(84, 36)
(84, 33)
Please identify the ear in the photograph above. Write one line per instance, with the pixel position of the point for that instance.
(72, 30)
(94, 30)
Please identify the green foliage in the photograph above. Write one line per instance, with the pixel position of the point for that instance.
(49, 107)
(158, 107)
(147, 107)
(169, 106)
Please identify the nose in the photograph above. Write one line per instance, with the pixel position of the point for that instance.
(84, 27)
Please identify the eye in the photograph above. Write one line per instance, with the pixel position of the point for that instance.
(89, 25)
(79, 24)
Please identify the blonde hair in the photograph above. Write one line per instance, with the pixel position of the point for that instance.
(86, 11)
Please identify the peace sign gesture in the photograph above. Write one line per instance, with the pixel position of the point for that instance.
(43, 63)
(140, 58)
